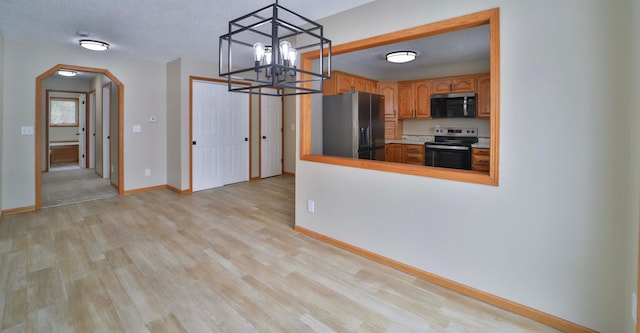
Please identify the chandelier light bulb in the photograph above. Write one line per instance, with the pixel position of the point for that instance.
(293, 56)
(258, 52)
(268, 54)
(285, 48)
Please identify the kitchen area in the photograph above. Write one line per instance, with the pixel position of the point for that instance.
(436, 122)
(429, 103)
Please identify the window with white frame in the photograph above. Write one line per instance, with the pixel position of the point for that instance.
(63, 111)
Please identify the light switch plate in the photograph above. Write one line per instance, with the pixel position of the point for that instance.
(26, 130)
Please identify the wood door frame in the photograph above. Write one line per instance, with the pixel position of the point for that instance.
(86, 120)
(206, 79)
(108, 132)
(38, 125)
(490, 17)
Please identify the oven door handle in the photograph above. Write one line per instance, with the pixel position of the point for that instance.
(447, 147)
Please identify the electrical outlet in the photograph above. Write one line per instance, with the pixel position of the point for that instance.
(137, 128)
(634, 307)
(311, 206)
(147, 172)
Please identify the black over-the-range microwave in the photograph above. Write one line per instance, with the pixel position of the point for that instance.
(461, 105)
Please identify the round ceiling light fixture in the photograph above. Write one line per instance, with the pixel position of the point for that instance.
(67, 73)
(400, 57)
(94, 45)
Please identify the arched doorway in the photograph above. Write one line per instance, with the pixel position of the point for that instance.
(39, 129)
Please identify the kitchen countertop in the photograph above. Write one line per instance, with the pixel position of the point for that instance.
(482, 143)
(421, 139)
(412, 139)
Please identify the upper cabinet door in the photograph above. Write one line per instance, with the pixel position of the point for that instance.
(344, 83)
(405, 100)
(451, 85)
(464, 84)
(422, 97)
(483, 101)
(390, 92)
(441, 86)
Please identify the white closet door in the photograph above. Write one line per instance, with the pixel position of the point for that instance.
(208, 140)
(271, 136)
(82, 122)
(220, 132)
(237, 139)
(92, 130)
(106, 129)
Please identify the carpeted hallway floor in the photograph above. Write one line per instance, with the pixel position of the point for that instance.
(61, 186)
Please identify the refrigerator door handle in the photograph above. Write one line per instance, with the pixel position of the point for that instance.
(364, 136)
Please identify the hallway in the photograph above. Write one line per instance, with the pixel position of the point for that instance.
(71, 184)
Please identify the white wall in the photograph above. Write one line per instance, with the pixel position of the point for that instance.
(552, 235)
(173, 125)
(633, 196)
(290, 128)
(96, 85)
(1, 117)
(145, 88)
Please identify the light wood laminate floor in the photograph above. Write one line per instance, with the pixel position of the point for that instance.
(222, 260)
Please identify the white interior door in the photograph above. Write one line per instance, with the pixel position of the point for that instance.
(92, 130)
(271, 136)
(220, 132)
(207, 141)
(106, 143)
(82, 122)
(237, 139)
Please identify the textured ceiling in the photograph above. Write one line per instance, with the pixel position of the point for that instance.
(462, 46)
(158, 30)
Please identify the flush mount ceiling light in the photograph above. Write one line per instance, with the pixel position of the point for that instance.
(67, 72)
(400, 57)
(259, 50)
(94, 45)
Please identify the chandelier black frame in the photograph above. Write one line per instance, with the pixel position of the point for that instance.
(258, 49)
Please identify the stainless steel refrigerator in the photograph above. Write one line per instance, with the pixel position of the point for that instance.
(353, 125)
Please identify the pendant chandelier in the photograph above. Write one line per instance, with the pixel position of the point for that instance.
(262, 49)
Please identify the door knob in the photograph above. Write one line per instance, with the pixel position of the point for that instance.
(264, 137)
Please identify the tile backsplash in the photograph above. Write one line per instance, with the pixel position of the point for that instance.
(425, 127)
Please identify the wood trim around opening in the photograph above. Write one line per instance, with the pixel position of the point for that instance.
(38, 125)
(490, 17)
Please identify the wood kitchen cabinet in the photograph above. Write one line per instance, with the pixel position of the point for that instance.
(457, 84)
(390, 92)
(414, 100)
(483, 99)
(480, 159)
(392, 129)
(413, 154)
(341, 82)
(393, 152)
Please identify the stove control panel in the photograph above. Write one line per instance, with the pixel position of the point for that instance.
(456, 131)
